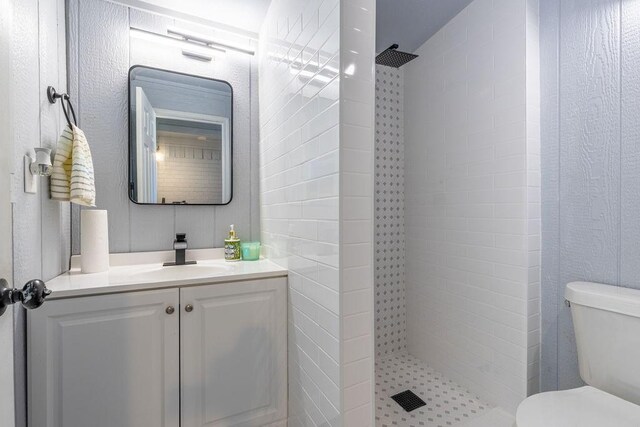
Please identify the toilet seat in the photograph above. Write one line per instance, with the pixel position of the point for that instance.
(580, 407)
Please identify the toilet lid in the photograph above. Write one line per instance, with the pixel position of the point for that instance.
(580, 407)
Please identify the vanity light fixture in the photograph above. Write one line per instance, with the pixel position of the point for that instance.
(196, 55)
(204, 40)
(190, 49)
(35, 167)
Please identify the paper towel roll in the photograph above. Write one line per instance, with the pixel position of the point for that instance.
(94, 241)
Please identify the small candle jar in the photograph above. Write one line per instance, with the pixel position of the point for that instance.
(250, 251)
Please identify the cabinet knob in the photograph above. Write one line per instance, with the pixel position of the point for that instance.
(170, 310)
(188, 308)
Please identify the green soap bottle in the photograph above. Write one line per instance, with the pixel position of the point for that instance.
(232, 246)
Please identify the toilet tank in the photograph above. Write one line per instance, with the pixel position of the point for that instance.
(606, 321)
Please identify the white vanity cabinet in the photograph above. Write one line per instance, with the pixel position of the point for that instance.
(233, 346)
(205, 355)
(105, 361)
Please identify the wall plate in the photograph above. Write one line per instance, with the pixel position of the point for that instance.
(30, 181)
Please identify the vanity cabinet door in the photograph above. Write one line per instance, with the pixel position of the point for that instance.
(105, 361)
(234, 354)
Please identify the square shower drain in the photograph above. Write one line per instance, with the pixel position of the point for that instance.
(408, 400)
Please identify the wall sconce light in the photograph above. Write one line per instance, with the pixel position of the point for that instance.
(34, 167)
(41, 166)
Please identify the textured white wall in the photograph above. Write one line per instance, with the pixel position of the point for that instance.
(591, 162)
(7, 404)
(391, 328)
(41, 240)
(41, 227)
(316, 174)
(101, 53)
(7, 408)
(469, 212)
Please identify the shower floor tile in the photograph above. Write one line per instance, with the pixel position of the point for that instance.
(448, 404)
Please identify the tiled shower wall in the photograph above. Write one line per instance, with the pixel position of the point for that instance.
(299, 189)
(390, 304)
(472, 201)
(316, 180)
(357, 151)
(534, 197)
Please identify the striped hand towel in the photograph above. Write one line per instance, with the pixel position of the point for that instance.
(72, 178)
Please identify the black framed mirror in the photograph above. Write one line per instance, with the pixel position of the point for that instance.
(180, 138)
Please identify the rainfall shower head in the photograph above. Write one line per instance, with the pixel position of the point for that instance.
(394, 58)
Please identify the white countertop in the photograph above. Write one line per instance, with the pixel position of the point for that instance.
(146, 272)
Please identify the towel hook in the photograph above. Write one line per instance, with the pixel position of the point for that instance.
(53, 95)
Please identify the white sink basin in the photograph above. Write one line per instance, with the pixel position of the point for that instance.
(140, 271)
(161, 274)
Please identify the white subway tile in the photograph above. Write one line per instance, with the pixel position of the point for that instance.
(472, 154)
(305, 196)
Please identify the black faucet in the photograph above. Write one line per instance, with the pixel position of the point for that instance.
(180, 246)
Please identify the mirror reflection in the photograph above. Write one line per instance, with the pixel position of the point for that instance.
(180, 138)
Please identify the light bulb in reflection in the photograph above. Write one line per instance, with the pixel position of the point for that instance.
(159, 155)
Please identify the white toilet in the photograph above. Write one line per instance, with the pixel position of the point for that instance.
(606, 320)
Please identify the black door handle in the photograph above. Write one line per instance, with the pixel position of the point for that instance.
(32, 295)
